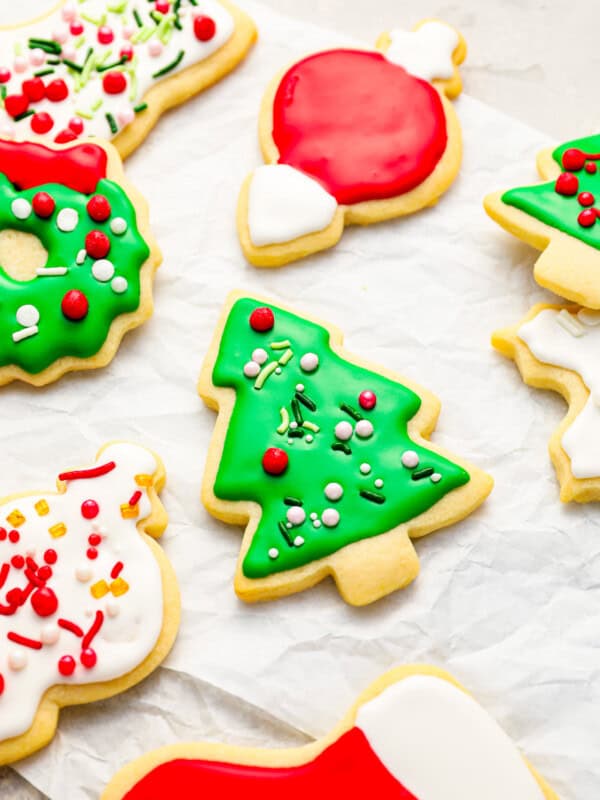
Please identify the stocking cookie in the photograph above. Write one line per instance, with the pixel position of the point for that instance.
(415, 734)
(322, 458)
(77, 259)
(110, 68)
(88, 602)
(560, 218)
(353, 137)
(556, 347)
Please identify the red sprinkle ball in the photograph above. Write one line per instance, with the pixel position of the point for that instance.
(587, 218)
(66, 665)
(75, 305)
(262, 320)
(367, 400)
(44, 572)
(162, 6)
(94, 539)
(98, 208)
(44, 602)
(18, 562)
(573, 159)
(76, 28)
(34, 89)
(586, 199)
(65, 136)
(97, 244)
(4, 75)
(16, 104)
(92, 553)
(591, 168)
(41, 122)
(567, 184)
(114, 83)
(1, 684)
(204, 28)
(90, 509)
(3, 534)
(88, 658)
(275, 461)
(105, 34)
(126, 52)
(57, 91)
(50, 556)
(43, 205)
(76, 125)
(14, 536)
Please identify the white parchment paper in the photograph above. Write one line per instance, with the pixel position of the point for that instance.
(508, 601)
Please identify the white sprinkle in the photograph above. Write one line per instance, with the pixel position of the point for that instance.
(118, 226)
(83, 574)
(364, 428)
(299, 387)
(436, 477)
(21, 208)
(81, 256)
(25, 333)
(317, 523)
(103, 270)
(410, 459)
(112, 609)
(570, 323)
(298, 541)
(67, 220)
(309, 362)
(365, 468)
(251, 369)
(333, 491)
(293, 425)
(343, 431)
(28, 316)
(330, 517)
(49, 634)
(50, 271)
(288, 525)
(296, 515)
(290, 441)
(119, 285)
(259, 355)
(17, 660)
(273, 553)
(309, 438)
(277, 370)
(379, 483)
(313, 515)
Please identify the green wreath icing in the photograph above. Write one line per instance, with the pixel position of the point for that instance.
(57, 336)
(297, 410)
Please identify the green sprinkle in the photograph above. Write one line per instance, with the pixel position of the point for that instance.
(104, 57)
(341, 447)
(351, 411)
(173, 65)
(285, 533)
(114, 65)
(292, 501)
(42, 72)
(137, 18)
(79, 42)
(140, 108)
(296, 433)
(280, 345)
(156, 16)
(296, 412)
(374, 497)
(422, 473)
(97, 104)
(3, 92)
(54, 61)
(193, 2)
(24, 115)
(285, 421)
(72, 65)
(117, 8)
(84, 114)
(311, 426)
(90, 62)
(111, 123)
(46, 45)
(18, 49)
(306, 401)
(133, 84)
(286, 357)
(92, 20)
(264, 374)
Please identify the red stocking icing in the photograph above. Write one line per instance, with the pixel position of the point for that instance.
(27, 165)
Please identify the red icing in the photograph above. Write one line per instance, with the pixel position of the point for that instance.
(275, 461)
(28, 164)
(348, 768)
(65, 136)
(359, 124)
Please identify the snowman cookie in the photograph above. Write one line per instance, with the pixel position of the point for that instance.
(110, 68)
(557, 348)
(77, 259)
(88, 602)
(353, 137)
(415, 734)
(323, 457)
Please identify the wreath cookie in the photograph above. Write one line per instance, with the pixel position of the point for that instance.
(353, 137)
(560, 218)
(88, 602)
(556, 347)
(323, 458)
(95, 278)
(110, 68)
(415, 734)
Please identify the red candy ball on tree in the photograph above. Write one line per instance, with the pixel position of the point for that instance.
(262, 320)
(97, 244)
(57, 91)
(567, 184)
(66, 665)
(275, 461)
(573, 159)
(43, 205)
(587, 218)
(114, 83)
(586, 199)
(44, 602)
(98, 208)
(204, 28)
(75, 305)
(367, 400)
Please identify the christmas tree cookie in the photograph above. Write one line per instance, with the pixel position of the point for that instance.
(352, 137)
(557, 347)
(77, 259)
(88, 602)
(560, 218)
(110, 68)
(323, 458)
(415, 734)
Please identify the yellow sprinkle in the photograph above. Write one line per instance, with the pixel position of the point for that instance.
(119, 587)
(57, 530)
(144, 480)
(42, 507)
(15, 518)
(99, 589)
(129, 512)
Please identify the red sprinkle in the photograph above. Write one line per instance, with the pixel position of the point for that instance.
(567, 184)
(85, 474)
(44, 602)
(4, 75)
(95, 627)
(127, 52)
(88, 658)
(65, 136)
(4, 570)
(34, 89)
(41, 122)
(1, 677)
(116, 570)
(98, 208)
(162, 6)
(114, 83)
(97, 244)
(89, 509)
(204, 28)
(591, 168)
(92, 553)
(57, 91)
(18, 562)
(262, 320)
(105, 34)
(275, 461)
(76, 28)
(15, 104)
(14, 597)
(3, 534)
(586, 199)
(135, 498)
(24, 640)
(44, 573)
(66, 665)
(367, 400)
(69, 626)
(94, 539)
(75, 305)
(14, 536)
(587, 218)
(573, 159)
(76, 125)
(50, 556)
(43, 205)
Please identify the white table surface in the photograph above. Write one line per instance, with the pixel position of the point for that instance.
(537, 60)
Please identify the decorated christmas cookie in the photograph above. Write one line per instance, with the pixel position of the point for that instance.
(77, 259)
(88, 602)
(323, 458)
(557, 348)
(561, 218)
(415, 734)
(353, 137)
(110, 68)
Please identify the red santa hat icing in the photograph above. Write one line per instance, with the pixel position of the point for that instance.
(81, 596)
(420, 739)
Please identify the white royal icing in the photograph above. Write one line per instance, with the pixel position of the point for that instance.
(16, 56)
(132, 619)
(572, 342)
(284, 203)
(441, 745)
(425, 53)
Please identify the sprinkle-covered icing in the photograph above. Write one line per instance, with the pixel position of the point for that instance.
(317, 441)
(84, 69)
(88, 226)
(80, 591)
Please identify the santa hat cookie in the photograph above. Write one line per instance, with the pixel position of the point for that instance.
(353, 137)
(88, 602)
(414, 735)
(110, 68)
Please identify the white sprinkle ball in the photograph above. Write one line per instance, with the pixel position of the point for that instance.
(296, 515)
(365, 468)
(436, 477)
(103, 270)
(21, 208)
(298, 541)
(119, 285)
(343, 431)
(410, 459)
(378, 483)
(273, 553)
(333, 491)
(330, 517)
(28, 315)
(251, 369)
(67, 220)
(259, 355)
(364, 428)
(118, 226)
(309, 362)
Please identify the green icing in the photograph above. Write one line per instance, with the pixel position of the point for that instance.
(312, 465)
(559, 211)
(58, 336)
